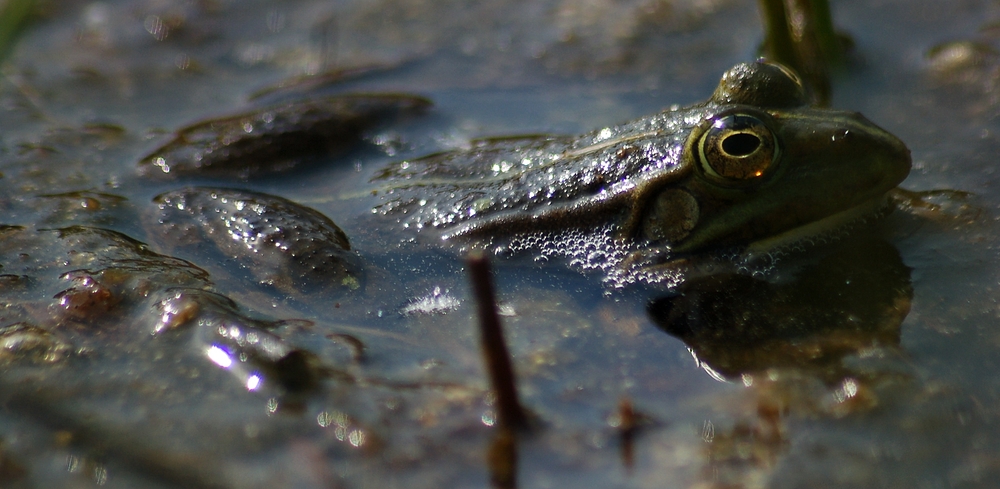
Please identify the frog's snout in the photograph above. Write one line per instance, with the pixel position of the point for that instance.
(883, 151)
(894, 157)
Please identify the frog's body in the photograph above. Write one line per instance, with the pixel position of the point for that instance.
(753, 165)
(753, 162)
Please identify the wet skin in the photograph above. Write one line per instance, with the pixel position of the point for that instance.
(755, 166)
(754, 162)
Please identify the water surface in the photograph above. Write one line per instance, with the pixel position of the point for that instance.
(94, 86)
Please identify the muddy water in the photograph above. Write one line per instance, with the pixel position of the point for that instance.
(134, 357)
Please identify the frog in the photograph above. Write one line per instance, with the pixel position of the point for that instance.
(755, 166)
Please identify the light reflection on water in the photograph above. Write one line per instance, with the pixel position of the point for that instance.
(219, 356)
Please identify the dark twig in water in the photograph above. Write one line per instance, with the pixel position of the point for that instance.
(509, 411)
(503, 459)
(629, 422)
(800, 34)
(357, 346)
(778, 38)
(626, 428)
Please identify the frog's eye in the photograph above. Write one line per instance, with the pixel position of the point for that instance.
(737, 147)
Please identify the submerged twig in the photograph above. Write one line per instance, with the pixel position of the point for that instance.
(502, 459)
(626, 429)
(509, 411)
(629, 422)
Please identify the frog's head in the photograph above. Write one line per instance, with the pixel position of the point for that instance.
(764, 163)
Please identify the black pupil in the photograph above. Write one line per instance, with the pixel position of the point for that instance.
(740, 144)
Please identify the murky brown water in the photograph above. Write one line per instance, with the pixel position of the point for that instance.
(166, 366)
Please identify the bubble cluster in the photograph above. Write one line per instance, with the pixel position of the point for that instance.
(591, 249)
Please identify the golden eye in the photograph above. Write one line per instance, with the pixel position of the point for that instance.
(737, 147)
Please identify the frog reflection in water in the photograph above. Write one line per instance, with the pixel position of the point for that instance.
(755, 162)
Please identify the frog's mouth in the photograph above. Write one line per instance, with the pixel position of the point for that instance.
(830, 228)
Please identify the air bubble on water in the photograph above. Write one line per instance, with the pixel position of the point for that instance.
(437, 302)
(506, 310)
(585, 250)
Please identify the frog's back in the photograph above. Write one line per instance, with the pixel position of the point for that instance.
(756, 163)
(516, 180)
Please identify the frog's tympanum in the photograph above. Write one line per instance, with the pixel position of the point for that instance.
(755, 164)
